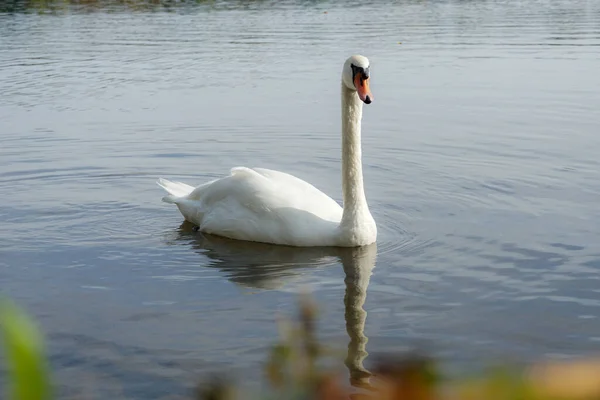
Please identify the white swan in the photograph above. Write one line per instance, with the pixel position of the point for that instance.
(263, 205)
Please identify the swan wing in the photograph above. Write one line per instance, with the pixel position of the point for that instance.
(311, 199)
(263, 205)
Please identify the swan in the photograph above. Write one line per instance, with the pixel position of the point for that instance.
(264, 205)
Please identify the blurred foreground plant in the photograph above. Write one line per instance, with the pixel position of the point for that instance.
(25, 358)
(293, 371)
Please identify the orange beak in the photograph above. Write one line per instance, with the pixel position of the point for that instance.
(362, 87)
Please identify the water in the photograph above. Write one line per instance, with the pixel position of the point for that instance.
(481, 168)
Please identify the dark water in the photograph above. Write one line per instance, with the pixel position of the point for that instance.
(482, 171)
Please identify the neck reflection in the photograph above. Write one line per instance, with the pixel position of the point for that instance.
(358, 266)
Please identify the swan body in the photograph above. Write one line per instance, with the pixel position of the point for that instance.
(264, 205)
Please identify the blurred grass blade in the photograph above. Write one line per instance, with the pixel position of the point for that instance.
(24, 349)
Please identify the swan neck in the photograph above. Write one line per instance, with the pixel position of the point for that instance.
(355, 203)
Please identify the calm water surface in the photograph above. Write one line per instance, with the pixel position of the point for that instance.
(481, 167)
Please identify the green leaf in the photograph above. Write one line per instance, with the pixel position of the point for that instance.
(24, 349)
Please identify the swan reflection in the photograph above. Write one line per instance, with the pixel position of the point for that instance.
(266, 266)
(358, 266)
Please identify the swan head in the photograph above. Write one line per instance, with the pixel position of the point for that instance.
(356, 77)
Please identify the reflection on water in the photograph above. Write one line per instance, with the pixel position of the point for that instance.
(358, 265)
(253, 264)
(266, 266)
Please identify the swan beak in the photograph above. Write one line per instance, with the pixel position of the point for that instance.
(362, 87)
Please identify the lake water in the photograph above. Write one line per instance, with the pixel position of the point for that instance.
(481, 166)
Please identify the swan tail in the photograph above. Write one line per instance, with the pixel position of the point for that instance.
(176, 190)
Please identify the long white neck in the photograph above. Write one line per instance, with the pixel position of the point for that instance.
(355, 203)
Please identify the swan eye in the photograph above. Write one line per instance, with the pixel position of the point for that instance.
(364, 71)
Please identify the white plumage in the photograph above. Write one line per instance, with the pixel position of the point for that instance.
(263, 205)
